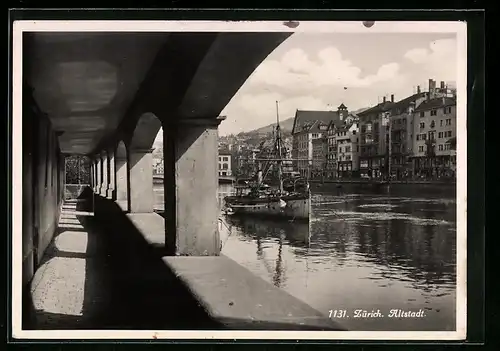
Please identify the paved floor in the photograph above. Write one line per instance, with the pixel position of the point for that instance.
(100, 274)
(103, 272)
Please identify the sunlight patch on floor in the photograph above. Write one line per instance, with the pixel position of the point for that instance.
(72, 241)
(61, 289)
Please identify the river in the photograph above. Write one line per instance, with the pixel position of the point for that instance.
(364, 249)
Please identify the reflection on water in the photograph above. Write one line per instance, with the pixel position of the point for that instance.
(362, 250)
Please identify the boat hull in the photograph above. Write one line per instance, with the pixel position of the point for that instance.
(296, 208)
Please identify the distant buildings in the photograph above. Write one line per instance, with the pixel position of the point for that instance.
(347, 149)
(435, 130)
(309, 126)
(412, 137)
(409, 138)
(225, 163)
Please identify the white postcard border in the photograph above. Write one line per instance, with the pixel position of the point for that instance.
(255, 26)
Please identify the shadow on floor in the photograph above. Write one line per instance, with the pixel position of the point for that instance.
(127, 285)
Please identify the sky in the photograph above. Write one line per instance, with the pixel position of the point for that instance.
(322, 70)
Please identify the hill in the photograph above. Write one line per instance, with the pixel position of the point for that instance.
(286, 126)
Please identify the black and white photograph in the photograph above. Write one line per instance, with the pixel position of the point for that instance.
(239, 180)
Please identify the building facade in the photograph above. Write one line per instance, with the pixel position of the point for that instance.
(225, 164)
(401, 135)
(348, 150)
(319, 146)
(373, 138)
(435, 138)
(309, 126)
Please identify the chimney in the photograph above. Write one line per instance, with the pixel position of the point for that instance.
(442, 84)
(418, 89)
(392, 97)
(432, 86)
(383, 100)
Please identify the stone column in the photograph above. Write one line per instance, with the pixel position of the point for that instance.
(191, 187)
(105, 171)
(121, 178)
(111, 176)
(141, 181)
(98, 175)
(92, 182)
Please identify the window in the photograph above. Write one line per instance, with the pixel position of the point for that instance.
(422, 125)
(440, 134)
(447, 110)
(448, 122)
(447, 146)
(440, 147)
(357, 148)
(404, 121)
(422, 114)
(432, 135)
(224, 166)
(423, 136)
(433, 112)
(441, 123)
(433, 124)
(421, 148)
(418, 137)
(347, 149)
(348, 157)
(353, 132)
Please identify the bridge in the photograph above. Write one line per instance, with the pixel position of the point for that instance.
(106, 96)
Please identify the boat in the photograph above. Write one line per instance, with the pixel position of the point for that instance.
(291, 200)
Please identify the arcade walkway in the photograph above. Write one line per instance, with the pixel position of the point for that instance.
(103, 272)
(106, 96)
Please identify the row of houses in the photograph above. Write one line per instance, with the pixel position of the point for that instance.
(412, 137)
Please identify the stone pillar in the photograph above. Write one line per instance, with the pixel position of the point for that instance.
(191, 188)
(111, 176)
(121, 178)
(91, 175)
(98, 175)
(141, 181)
(105, 171)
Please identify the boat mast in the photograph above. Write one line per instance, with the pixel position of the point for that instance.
(278, 144)
(390, 149)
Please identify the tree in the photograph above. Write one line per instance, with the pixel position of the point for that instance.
(77, 170)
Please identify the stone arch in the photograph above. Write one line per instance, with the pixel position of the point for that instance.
(121, 167)
(140, 163)
(145, 131)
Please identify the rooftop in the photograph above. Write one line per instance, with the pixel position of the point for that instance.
(436, 103)
(381, 107)
(405, 103)
(308, 118)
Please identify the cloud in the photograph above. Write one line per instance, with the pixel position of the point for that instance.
(297, 71)
(251, 111)
(438, 61)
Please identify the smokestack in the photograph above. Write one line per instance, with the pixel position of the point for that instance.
(384, 100)
(392, 97)
(418, 89)
(442, 84)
